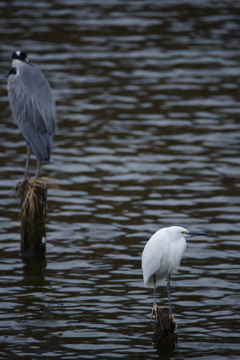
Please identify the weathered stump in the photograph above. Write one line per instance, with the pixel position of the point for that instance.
(33, 204)
(164, 327)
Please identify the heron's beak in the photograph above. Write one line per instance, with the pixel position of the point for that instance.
(191, 233)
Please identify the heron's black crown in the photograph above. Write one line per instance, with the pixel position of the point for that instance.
(19, 55)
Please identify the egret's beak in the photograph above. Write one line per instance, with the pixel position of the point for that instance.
(190, 233)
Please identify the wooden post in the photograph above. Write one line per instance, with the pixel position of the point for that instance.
(33, 203)
(164, 327)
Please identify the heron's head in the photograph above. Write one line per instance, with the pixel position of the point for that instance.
(18, 58)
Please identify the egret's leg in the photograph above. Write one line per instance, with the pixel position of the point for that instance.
(154, 308)
(154, 286)
(169, 295)
(38, 169)
(27, 163)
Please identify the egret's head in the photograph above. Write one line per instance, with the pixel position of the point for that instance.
(191, 233)
(177, 232)
(19, 58)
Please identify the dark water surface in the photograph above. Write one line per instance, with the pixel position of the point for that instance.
(148, 136)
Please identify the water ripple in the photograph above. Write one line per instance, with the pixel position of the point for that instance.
(148, 136)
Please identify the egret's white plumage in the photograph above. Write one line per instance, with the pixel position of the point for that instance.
(162, 255)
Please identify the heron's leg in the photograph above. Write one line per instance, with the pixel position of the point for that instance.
(27, 163)
(38, 169)
(169, 295)
(20, 186)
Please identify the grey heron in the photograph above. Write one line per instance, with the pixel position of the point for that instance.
(33, 107)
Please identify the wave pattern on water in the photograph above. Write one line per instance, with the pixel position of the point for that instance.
(148, 136)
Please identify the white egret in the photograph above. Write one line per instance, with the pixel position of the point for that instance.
(162, 255)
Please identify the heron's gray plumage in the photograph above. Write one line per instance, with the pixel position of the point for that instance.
(33, 107)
